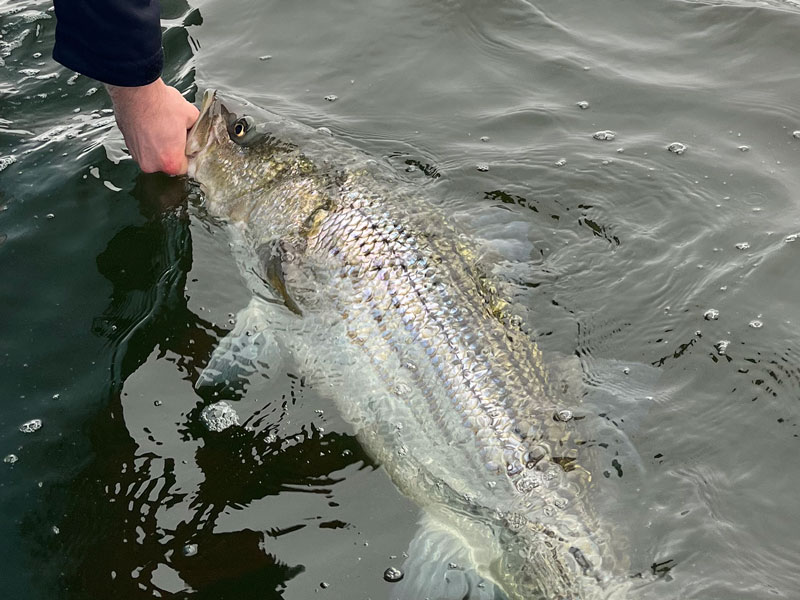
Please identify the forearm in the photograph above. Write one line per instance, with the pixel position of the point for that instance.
(114, 41)
(118, 42)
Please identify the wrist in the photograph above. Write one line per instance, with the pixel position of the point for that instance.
(122, 95)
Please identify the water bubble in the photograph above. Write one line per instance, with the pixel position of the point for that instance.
(560, 162)
(37, 55)
(189, 550)
(6, 161)
(392, 575)
(721, 346)
(564, 415)
(10, 459)
(561, 503)
(513, 468)
(533, 456)
(756, 324)
(583, 104)
(331, 97)
(483, 167)
(31, 426)
(743, 245)
(402, 389)
(712, 314)
(677, 148)
(605, 135)
(219, 416)
(527, 483)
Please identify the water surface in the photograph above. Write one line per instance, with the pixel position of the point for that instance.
(114, 293)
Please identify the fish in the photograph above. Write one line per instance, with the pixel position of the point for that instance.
(359, 273)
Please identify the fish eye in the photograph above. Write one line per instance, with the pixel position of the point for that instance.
(240, 128)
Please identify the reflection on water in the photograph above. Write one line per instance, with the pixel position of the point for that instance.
(113, 296)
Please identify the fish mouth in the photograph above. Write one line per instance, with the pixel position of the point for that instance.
(210, 128)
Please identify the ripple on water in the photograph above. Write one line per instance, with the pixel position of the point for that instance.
(615, 247)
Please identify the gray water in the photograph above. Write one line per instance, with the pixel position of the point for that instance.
(114, 293)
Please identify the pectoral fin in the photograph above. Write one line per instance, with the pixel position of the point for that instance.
(438, 567)
(250, 347)
(272, 257)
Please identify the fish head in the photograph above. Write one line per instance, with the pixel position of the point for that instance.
(232, 158)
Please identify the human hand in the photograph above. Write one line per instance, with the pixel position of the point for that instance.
(154, 120)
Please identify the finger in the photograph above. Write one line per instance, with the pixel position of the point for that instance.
(184, 165)
(175, 164)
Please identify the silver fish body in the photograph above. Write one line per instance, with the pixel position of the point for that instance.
(460, 408)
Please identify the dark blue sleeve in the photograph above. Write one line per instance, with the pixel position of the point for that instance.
(113, 41)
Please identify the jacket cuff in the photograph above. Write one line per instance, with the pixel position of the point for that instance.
(126, 74)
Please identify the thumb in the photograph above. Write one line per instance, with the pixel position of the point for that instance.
(191, 115)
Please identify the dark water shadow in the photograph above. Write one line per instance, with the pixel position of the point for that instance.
(112, 538)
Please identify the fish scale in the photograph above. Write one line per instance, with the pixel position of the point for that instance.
(352, 234)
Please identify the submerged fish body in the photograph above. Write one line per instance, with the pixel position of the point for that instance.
(456, 402)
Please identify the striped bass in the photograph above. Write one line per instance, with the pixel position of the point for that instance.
(457, 403)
